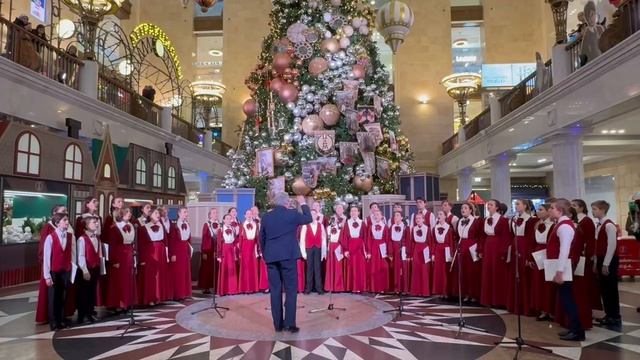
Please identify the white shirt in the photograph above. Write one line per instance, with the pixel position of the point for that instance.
(541, 237)
(127, 238)
(48, 245)
(464, 230)
(315, 226)
(420, 239)
(82, 257)
(155, 235)
(491, 229)
(454, 220)
(377, 234)
(519, 230)
(397, 235)
(565, 234)
(612, 239)
(440, 238)
(184, 234)
(354, 231)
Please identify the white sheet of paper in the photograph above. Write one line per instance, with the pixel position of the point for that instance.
(105, 251)
(540, 256)
(580, 267)
(473, 250)
(447, 254)
(103, 267)
(74, 270)
(191, 251)
(426, 253)
(383, 250)
(166, 250)
(403, 252)
(509, 254)
(338, 253)
(550, 269)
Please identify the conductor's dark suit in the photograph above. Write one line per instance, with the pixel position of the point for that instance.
(278, 237)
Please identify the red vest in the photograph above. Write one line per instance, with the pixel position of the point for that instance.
(60, 259)
(91, 254)
(601, 240)
(553, 244)
(311, 239)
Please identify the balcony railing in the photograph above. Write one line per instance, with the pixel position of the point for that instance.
(450, 144)
(118, 95)
(477, 124)
(22, 47)
(185, 129)
(626, 21)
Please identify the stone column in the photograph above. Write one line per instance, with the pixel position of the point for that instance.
(203, 178)
(560, 63)
(88, 78)
(568, 170)
(207, 142)
(501, 179)
(495, 109)
(166, 119)
(465, 183)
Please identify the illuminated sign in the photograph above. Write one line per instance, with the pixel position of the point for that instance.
(505, 75)
(39, 9)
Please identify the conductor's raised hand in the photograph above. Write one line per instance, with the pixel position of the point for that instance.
(301, 200)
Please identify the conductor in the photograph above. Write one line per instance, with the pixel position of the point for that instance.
(281, 250)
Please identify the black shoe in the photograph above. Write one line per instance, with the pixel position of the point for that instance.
(604, 321)
(320, 292)
(278, 330)
(91, 319)
(292, 329)
(563, 333)
(307, 292)
(571, 336)
(544, 317)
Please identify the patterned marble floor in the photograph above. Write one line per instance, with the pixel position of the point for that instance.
(419, 334)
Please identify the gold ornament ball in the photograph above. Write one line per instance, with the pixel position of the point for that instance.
(312, 123)
(331, 45)
(330, 114)
(299, 187)
(281, 62)
(363, 184)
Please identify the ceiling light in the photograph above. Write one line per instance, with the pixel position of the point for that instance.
(66, 29)
(621, 131)
(540, 161)
(125, 67)
(214, 52)
(512, 164)
(477, 179)
(460, 43)
(423, 99)
(605, 131)
(512, 130)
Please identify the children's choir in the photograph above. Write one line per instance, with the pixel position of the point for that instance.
(147, 260)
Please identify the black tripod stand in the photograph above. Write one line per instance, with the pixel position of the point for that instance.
(132, 318)
(461, 322)
(214, 306)
(519, 341)
(400, 308)
(331, 306)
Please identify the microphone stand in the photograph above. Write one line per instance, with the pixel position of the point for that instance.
(214, 306)
(400, 307)
(132, 318)
(519, 341)
(331, 306)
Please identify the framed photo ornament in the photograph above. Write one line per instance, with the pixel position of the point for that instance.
(265, 162)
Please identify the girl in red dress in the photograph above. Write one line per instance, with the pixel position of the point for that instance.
(248, 244)
(442, 254)
(117, 203)
(89, 260)
(227, 258)
(587, 229)
(90, 209)
(471, 236)
(207, 252)
(121, 287)
(263, 275)
(523, 230)
(353, 239)
(373, 208)
(380, 254)
(180, 252)
(144, 217)
(421, 258)
(543, 293)
(335, 269)
(401, 250)
(153, 260)
(169, 229)
(42, 312)
(494, 257)
(234, 220)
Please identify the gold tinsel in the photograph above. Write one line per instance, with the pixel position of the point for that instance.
(324, 193)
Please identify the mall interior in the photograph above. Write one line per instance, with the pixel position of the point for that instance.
(498, 99)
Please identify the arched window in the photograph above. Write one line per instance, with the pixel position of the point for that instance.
(73, 162)
(171, 178)
(141, 172)
(28, 154)
(102, 205)
(157, 175)
(107, 171)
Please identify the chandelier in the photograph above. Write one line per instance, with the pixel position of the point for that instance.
(460, 87)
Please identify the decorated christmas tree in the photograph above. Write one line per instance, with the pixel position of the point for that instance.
(321, 120)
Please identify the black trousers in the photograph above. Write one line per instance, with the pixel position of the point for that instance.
(86, 293)
(279, 272)
(57, 296)
(568, 302)
(314, 273)
(609, 288)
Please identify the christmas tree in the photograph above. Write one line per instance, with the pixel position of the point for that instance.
(321, 120)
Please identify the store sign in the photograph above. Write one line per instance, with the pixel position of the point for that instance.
(38, 9)
(505, 75)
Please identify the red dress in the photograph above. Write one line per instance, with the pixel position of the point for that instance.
(380, 250)
(334, 280)
(42, 312)
(263, 275)
(121, 287)
(353, 239)
(581, 287)
(180, 270)
(209, 243)
(400, 266)
(523, 230)
(587, 228)
(543, 293)
(471, 236)
(167, 289)
(442, 252)
(153, 254)
(248, 243)
(300, 264)
(228, 253)
(494, 257)
(421, 266)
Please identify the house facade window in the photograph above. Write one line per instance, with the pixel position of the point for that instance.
(27, 159)
(171, 178)
(157, 175)
(141, 172)
(107, 171)
(102, 205)
(73, 163)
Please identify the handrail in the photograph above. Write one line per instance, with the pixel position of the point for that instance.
(25, 48)
(450, 144)
(185, 129)
(113, 92)
(477, 124)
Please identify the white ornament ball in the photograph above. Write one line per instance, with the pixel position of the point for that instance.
(328, 34)
(336, 2)
(364, 30)
(345, 42)
(348, 198)
(291, 105)
(327, 17)
(356, 22)
(348, 30)
(305, 88)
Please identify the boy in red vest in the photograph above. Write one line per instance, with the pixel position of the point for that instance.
(58, 253)
(89, 258)
(607, 265)
(313, 247)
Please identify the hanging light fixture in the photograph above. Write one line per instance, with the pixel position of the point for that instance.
(460, 87)
(394, 21)
(205, 5)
